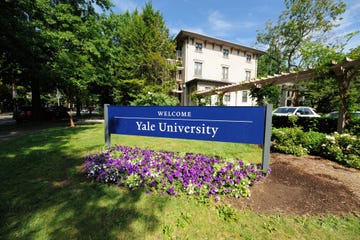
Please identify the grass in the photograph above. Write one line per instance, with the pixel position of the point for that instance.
(45, 195)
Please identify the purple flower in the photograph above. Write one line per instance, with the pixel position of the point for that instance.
(164, 170)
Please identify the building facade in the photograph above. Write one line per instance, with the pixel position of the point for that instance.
(205, 63)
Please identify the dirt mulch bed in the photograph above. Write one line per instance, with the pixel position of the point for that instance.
(306, 185)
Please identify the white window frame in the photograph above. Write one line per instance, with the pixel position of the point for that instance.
(244, 96)
(198, 68)
(225, 73)
(247, 75)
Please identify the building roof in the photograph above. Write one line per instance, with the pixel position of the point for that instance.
(182, 35)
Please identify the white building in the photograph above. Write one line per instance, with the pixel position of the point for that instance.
(205, 63)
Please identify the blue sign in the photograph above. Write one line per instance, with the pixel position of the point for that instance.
(225, 124)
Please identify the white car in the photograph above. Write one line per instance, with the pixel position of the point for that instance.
(298, 111)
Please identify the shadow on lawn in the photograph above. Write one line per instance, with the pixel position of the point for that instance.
(45, 194)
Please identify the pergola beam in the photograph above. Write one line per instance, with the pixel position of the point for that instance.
(290, 77)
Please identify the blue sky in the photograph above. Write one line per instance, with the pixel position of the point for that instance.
(232, 20)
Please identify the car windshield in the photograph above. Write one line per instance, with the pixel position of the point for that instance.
(285, 110)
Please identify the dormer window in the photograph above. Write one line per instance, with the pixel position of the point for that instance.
(198, 46)
(226, 53)
(248, 57)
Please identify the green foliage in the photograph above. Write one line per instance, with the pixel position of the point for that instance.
(301, 39)
(155, 99)
(45, 196)
(50, 44)
(342, 148)
(141, 44)
(268, 66)
(297, 25)
(127, 91)
(67, 45)
(323, 124)
(266, 94)
(323, 93)
(227, 213)
(289, 141)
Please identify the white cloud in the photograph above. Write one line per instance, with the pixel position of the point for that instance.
(218, 24)
(125, 5)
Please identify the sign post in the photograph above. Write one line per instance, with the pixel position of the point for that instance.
(267, 138)
(251, 125)
(106, 125)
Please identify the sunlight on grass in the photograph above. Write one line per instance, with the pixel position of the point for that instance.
(45, 195)
(249, 153)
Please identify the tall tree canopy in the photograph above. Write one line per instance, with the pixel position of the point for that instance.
(33, 36)
(300, 39)
(142, 45)
(301, 22)
(68, 45)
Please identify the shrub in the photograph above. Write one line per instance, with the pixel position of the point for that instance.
(343, 148)
(322, 124)
(288, 140)
(354, 126)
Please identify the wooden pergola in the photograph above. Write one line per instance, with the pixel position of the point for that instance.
(343, 72)
(339, 69)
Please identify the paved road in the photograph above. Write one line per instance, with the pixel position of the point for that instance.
(6, 119)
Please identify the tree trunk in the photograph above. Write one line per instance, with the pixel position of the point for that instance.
(344, 94)
(78, 107)
(35, 99)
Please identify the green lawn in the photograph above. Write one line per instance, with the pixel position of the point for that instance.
(45, 195)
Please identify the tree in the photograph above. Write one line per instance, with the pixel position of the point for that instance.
(141, 45)
(333, 80)
(302, 21)
(36, 33)
(155, 99)
(266, 94)
(299, 40)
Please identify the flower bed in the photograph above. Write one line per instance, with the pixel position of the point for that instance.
(173, 173)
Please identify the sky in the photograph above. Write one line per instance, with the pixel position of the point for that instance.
(236, 21)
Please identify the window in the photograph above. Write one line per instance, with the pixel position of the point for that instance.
(226, 53)
(225, 73)
(198, 69)
(227, 97)
(198, 46)
(247, 75)
(248, 57)
(244, 96)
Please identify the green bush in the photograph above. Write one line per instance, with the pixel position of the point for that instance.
(312, 142)
(288, 140)
(155, 99)
(342, 148)
(354, 126)
(322, 124)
